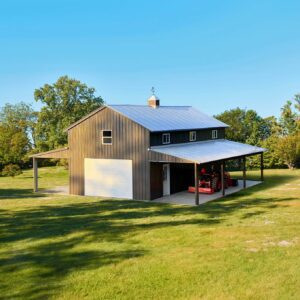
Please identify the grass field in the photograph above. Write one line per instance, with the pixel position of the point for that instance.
(246, 246)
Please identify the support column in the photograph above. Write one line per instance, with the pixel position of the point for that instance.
(35, 174)
(222, 179)
(196, 184)
(262, 166)
(244, 172)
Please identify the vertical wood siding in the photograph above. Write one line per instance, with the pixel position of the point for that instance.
(129, 141)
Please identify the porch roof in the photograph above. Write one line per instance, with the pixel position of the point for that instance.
(208, 151)
(56, 153)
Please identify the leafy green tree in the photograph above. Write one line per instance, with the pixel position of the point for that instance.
(234, 118)
(288, 119)
(65, 102)
(272, 158)
(16, 133)
(11, 170)
(14, 145)
(297, 107)
(246, 126)
(19, 116)
(288, 148)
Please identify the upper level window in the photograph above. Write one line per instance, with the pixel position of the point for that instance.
(106, 137)
(193, 136)
(214, 134)
(166, 138)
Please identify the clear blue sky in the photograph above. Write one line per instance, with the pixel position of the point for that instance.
(215, 55)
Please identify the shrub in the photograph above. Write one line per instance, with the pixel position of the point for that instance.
(11, 170)
(64, 163)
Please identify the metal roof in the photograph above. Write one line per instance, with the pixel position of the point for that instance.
(208, 151)
(168, 118)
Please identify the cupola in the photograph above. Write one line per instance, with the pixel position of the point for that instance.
(153, 101)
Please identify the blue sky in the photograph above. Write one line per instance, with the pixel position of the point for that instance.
(214, 55)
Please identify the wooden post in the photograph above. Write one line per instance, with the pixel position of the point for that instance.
(35, 174)
(222, 178)
(262, 166)
(244, 172)
(196, 184)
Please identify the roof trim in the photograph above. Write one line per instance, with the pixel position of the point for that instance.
(41, 154)
(188, 129)
(96, 111)
(86, 117)
(194, 160)
(112, 107)
(123, 115)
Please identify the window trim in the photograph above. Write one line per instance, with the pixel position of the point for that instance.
(214, 134)
(169, 139)
(193, 136)
(103, 137)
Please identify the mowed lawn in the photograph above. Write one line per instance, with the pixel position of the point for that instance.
(246, 246)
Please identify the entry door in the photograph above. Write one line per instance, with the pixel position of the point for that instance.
(166, 179)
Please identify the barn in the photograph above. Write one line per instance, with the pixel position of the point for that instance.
(144, 152)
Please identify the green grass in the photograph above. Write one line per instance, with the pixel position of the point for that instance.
(246, 246)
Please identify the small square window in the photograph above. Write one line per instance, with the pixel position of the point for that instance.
(106, 137)
(193, 136)
(166, 138)
(214, 134)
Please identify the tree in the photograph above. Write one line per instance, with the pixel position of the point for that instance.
(65, 102)
(297, 107)
(19, 116)
(14, 145)
(246, 126)
(288, 119)
(11, 170)
(272, 158)
(288, 148)
(16, 129)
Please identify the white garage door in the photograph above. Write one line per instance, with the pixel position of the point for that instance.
(108, 177)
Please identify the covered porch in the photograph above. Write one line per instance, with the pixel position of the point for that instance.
(55, 154)
(195, 156)
(186, 198)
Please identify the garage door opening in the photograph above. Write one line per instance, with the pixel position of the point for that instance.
(108, 178)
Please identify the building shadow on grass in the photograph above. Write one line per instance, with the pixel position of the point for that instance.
(45, 266)
(56, 238)
(15, 193)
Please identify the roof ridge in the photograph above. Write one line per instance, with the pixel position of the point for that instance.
(145, 105)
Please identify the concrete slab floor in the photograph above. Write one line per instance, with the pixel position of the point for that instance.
(187, 198)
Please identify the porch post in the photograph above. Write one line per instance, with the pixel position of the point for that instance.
(262, 166)
(35, 174)
(196, 184)
(244, 172)
(222, 178)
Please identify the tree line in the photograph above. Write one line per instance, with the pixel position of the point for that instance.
(281, 137)
(24, 131)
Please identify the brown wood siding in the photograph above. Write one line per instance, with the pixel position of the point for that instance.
(178, 137)
(129, 141)
(160, 157)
